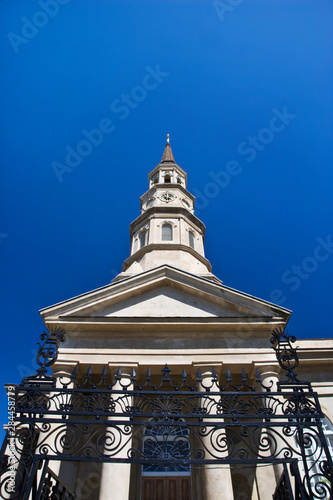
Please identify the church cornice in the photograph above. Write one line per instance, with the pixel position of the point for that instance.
(204, 288)
(254, 326)
(165, 246)
(167, 211)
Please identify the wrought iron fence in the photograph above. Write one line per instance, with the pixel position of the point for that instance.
(167, 422)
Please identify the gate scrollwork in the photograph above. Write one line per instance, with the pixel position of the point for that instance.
(169, 420)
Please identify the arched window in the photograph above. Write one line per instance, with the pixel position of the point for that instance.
(165, 439)
(167, 232)
(191, 239)
(179, 181)
(143, 239)
(167, 178)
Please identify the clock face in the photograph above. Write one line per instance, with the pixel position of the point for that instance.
(167, 196)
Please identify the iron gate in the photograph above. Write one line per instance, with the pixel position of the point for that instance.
(172, 421)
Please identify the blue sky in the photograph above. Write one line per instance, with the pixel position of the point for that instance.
(245, 92)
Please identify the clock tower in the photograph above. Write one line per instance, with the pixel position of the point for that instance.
(167, 231)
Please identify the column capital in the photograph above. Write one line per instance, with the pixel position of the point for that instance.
(269, 373)
(126, 368)
(266, 369)
(206, 368)
(64, 368)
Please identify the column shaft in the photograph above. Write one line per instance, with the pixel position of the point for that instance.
(115, 479)
(217, 478)
(267, 476)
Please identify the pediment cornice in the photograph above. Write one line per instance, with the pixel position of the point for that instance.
(214, 304)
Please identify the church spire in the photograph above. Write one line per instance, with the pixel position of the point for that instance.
(167, 232)
(167, 153)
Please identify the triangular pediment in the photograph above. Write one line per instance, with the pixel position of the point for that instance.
(166, 300)
(164, 292)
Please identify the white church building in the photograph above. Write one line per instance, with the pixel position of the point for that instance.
(167, 307)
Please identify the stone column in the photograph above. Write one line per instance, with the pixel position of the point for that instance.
(267, 476)
(64, 370)
(217, 478)
(115, 479)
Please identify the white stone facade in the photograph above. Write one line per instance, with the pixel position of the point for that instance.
(167, 307)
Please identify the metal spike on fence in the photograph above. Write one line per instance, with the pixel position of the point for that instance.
(244, 376)
(103, 376)
(133, 375)
(214, 376)
(229, 379)
(74, 373)
(184, 374)
(89, 372)
(148, 376)
(199, 375)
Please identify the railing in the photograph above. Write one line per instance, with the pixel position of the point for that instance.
(52, 488)
(182, 421)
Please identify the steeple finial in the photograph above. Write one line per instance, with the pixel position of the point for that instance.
(167, 154)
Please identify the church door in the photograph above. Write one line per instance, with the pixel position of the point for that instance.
(166, 488)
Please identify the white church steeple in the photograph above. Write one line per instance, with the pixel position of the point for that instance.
(167, 231)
